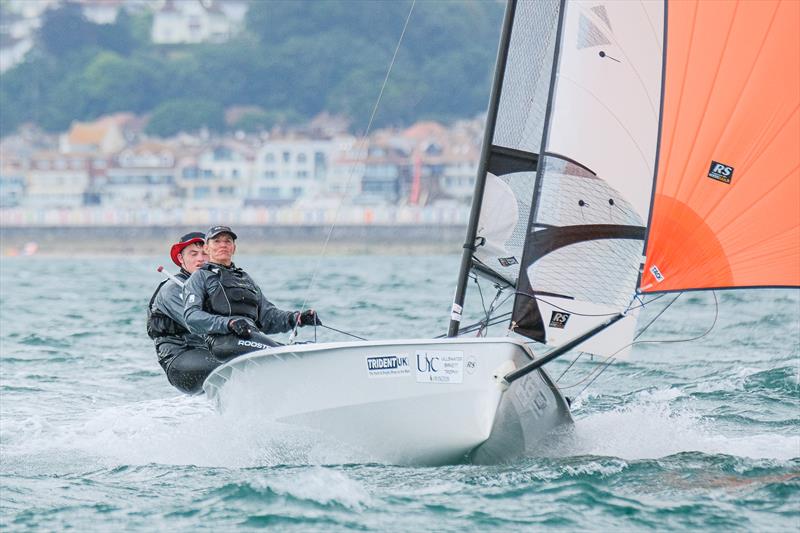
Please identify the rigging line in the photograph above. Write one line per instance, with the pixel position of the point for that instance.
(485, 323)
(570, 366)
(500, 318)
(539, 299)
(361, 142)
(610, 359)
(480, 293)
(593, 380)
(476, 325)
(657, 316)
(339, 331)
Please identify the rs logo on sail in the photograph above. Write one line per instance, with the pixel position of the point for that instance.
(558, 320)
(720, 172)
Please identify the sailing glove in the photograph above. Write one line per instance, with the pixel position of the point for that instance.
(241, 327)
(309, 318)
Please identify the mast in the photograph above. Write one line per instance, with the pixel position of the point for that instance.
(480, 180)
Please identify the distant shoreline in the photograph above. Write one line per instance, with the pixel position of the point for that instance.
(279, 240)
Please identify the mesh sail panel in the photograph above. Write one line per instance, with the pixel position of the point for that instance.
(584, 244)
(517, 138)
(501, 250)
(526, 82)
(600, 270)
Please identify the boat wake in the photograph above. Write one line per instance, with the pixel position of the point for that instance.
(176, 431)
(650, 426)
(187, 431)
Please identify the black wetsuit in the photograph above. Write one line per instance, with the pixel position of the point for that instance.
(215, 294)
(184, 356)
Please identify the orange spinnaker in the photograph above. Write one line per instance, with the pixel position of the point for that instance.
(731, 96)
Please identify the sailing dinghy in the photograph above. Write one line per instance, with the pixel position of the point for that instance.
(631, 148)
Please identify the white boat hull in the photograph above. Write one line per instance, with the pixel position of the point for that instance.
(421, 402)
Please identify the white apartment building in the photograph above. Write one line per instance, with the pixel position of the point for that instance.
(286, 170)
(220, 176)
(347, 169)
(56, 180)
(191, 21)
(142, 176)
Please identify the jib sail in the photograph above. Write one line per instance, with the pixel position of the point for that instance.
(592, 200)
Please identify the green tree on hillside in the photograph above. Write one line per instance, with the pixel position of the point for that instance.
(175, 116)
(296, 59)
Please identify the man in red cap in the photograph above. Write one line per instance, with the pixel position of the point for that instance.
(183, 355)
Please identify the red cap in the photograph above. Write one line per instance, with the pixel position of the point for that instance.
(186, 240)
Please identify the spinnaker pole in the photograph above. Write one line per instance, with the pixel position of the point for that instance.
(561, 350)
(480, 180)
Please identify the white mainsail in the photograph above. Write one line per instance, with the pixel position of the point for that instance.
(595, 176)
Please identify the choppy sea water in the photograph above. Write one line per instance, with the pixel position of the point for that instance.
(697, 435)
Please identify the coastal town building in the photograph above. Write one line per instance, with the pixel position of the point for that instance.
(139, 176)
(104, 135)
(110, 163)
(196, 21)
(290, 168)
(174, 21)
(100, 11)
(12, 178)
(19, 20)
(219, 175)
(55, 179)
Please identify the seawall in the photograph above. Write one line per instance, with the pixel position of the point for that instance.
(296, 239)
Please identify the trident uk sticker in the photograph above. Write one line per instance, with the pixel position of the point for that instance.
(388, 366)
(439, 366)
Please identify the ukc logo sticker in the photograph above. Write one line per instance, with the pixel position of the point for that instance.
(558, 319)
(439, 366)
(720, 172)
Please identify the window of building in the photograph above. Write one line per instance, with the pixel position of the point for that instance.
(301, 157)
(302, 174)
(297, 191)
(320, 165)
(269, 192)
(269, 157)
(202, 192)
(286, 157)
(269, 174)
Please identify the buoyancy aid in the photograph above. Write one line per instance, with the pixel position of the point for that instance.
(237, 294)
(158, 323)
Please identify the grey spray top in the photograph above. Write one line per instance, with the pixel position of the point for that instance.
(201, 318)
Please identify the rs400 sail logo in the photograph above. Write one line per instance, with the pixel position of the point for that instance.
(558, 319)
(720, 172)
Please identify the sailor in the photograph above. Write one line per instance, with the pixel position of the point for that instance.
(223, 302)
(184, 356)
